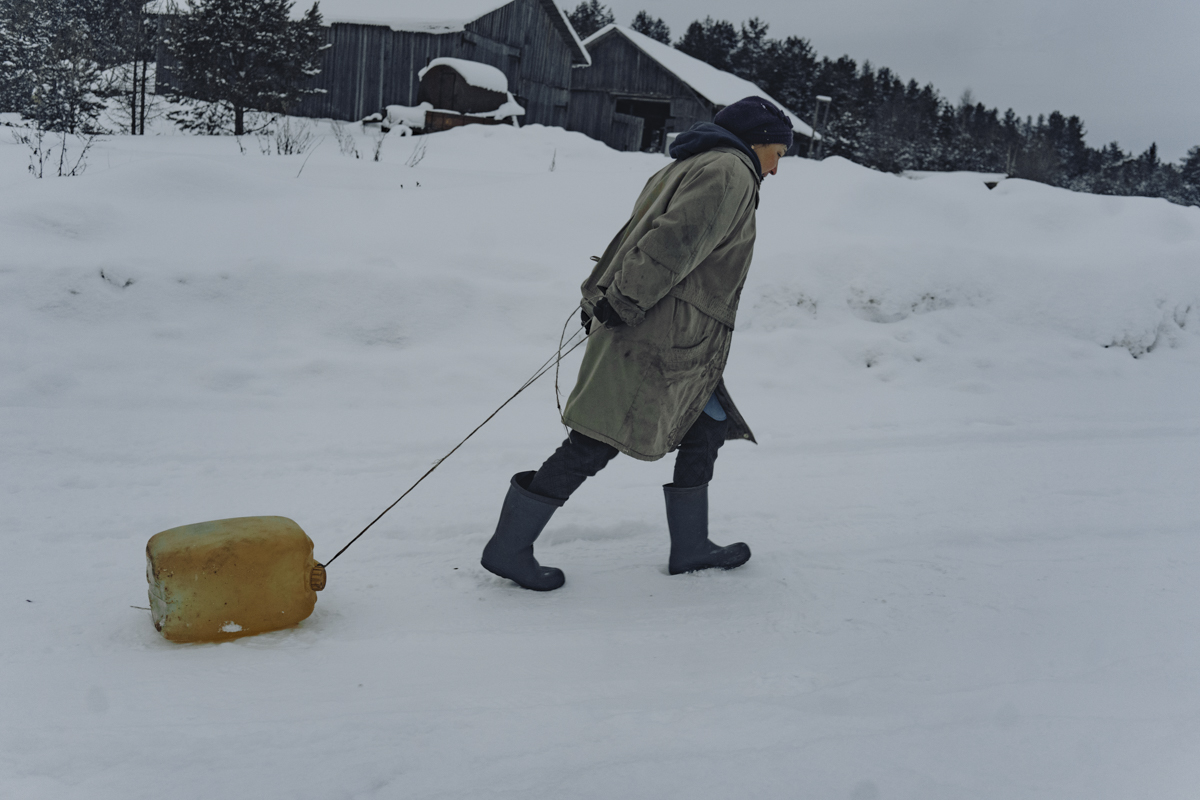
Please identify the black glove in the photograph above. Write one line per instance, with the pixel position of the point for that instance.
(607, 315)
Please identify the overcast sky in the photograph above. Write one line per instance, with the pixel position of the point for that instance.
(1130, 70)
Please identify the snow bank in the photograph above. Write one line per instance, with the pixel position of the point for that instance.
(411, 116)
(1076, 269)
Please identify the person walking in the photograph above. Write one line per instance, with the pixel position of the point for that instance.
(660, 307)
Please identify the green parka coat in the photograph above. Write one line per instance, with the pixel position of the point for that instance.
(674, 274)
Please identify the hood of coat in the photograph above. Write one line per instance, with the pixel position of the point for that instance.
(705, 136)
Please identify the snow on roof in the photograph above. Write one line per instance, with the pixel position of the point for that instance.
(428, 16)
(474, 73)
(718, 86)
(587, 57)
(438, 16)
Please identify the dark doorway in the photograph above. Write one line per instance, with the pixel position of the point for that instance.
(654, 116)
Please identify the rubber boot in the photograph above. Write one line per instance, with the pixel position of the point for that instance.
(509, 553)
(687, 520)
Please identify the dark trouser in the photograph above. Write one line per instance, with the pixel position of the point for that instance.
(580, 457)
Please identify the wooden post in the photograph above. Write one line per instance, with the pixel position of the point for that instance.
(816, 149)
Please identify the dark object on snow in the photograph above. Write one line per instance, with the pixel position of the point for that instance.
(444, 88)
(442, 121)
(756, 120)
(509, 553)
(691, 549)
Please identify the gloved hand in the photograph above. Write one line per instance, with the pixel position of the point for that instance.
(607, 315)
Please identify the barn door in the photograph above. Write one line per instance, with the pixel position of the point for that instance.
(654, 115)
(625, 132)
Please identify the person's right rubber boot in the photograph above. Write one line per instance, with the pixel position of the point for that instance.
(509, 553)
(691, 549)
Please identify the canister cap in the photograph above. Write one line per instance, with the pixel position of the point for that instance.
(317, 579)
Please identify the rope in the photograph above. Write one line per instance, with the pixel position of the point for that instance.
(554, 361)
(561, 336)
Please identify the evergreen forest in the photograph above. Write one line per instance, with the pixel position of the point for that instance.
(882, 121)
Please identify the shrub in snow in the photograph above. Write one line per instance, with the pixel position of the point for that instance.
(53, 154)
(344, 139)
(290, 137)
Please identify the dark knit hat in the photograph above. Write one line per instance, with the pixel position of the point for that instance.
(756, 120)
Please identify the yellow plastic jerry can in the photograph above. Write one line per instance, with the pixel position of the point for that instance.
(227, 578)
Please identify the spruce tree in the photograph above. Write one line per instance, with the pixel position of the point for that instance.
(23, 44)
(1189, 173)
(590, 16)
(242, 55)
(749, 58)
(711, 41)
(48, 51)
(789, 73)
(654, 28)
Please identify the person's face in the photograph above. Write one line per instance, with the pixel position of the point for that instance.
(768, 156)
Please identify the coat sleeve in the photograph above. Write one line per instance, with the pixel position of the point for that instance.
(700, 215)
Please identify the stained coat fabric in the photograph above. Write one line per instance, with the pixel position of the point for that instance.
(674, 274)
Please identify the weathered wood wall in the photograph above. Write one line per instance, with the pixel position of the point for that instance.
(369, 67)
(621, 70)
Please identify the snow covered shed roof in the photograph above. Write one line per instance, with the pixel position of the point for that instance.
(716, 86)
(482, 76)
(429, 16)
(436, 16)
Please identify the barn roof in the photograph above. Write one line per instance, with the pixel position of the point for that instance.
(431, 16)
(717, 86)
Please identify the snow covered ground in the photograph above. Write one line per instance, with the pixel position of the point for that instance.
(973, 511)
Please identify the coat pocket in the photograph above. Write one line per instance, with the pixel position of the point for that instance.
(678, 359)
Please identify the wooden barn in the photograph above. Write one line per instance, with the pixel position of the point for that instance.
(638, 90)
(378, 46)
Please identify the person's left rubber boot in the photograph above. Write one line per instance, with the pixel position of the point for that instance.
(509, 553)
(687, 521)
